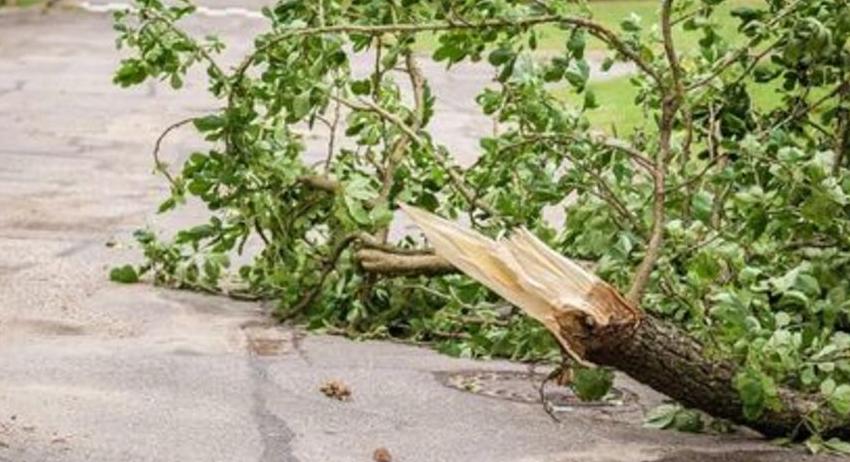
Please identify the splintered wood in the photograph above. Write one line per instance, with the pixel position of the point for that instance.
(571, 302)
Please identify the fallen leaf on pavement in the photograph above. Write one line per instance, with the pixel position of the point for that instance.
(336, 389)
(382, 455)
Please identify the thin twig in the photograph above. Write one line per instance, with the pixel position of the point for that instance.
(160, 166)
(397, 152)
(842, 132)
(333, 125)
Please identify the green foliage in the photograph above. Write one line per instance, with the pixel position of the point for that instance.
(833, 445)
(124, 274)
(758, 392)
(674, 417)
(592, 384)
(754, 211)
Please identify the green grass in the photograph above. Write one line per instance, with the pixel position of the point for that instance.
(612, 12)
(19, 3)
(618, 112)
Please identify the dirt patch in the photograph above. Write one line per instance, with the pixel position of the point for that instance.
(263, 339)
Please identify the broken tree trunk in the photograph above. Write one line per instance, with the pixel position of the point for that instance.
(594, 323)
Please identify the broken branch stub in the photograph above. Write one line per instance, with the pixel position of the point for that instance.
(570, 301)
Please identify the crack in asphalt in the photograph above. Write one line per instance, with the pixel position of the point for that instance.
(275, 434)
(19, 85)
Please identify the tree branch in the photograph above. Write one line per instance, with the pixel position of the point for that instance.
(596, 29)
(736, 55)
(456, 178)
(160, 166)
(322, 183)
(396, 154)
(390, 264)
(670, 105)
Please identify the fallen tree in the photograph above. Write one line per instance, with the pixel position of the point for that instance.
(722, 208)
(592, 320)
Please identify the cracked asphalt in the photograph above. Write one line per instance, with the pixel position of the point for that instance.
(93, 371)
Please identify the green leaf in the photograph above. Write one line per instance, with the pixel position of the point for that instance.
(758, 392)
(578, 73)
(674, 416)
(124, 274)
(702, 203)
(592, 384)
(782, 319)
(661, 416)
(501, 56)
(381, 215)
(167, 205)
(631, 23)
(836, 445)
(688, 420)
(300, 105)
(577, 43)
(827, 387)
(705, 267)
(590, 100)
(130, 72)
(209, 123)
(361, 87)
(840, 399)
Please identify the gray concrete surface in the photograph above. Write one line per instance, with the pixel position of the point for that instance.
(92, 371)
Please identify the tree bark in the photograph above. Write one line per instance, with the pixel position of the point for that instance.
(385, 263)
(658, 354)
(664, 357)
(593, 322)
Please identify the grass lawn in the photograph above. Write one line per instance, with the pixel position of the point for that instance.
(618, 112)
(19, 3)
(612, 12)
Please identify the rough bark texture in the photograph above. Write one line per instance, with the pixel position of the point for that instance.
(670, 361)
(594, 322)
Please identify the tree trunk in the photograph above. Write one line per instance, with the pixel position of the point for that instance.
(659, 354)
(593, 322)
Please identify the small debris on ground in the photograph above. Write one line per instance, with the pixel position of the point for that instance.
(382, 455)
(336, 389)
